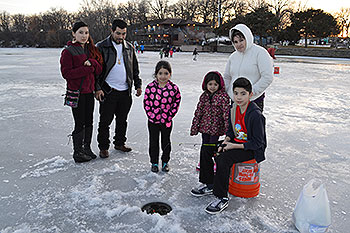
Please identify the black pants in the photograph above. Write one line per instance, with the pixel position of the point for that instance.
(154, 130)
(224, 162)
(84, 113)
(118, 104)
(206, 172)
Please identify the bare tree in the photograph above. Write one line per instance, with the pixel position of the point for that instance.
(143, 10)
(159, 8)
(257, 4)
(207, 11)
(5, 20)
(283, 10)
(18, 23)
(187, 8)
(343, 19)
(233, 8)
(98, 14)
(56, 24)
(128, 11)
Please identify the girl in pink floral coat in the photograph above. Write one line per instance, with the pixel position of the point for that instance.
(210, 119)
(161, 103)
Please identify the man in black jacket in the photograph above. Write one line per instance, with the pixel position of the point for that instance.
(113, 87)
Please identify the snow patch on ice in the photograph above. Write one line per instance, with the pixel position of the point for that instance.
(121, 210)
(47, 167)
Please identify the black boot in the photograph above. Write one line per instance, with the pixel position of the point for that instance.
(87, 143)
(79, 156)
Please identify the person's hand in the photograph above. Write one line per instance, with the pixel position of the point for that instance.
(87, 63)
(222, 146)
(229, 146)
(138, 92)
(99, 95)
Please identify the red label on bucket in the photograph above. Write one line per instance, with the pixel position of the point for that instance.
(246, 173)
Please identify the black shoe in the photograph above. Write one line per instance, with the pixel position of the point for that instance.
(218, 205)
(165, 167)
(81, 157)
(202, 190)
(123, 148)
(154, 167)
(88, 151)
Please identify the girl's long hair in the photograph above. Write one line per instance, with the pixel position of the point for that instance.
(93, 51)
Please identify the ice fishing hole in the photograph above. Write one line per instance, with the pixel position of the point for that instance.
(157, 207)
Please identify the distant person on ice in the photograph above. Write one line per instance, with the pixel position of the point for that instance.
(80, 63)
(249, 60)
(195, 54)
(114, 87)
(245, 140)
(161, 103)
(210, 119)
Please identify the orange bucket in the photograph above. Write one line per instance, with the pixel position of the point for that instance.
(244, 179)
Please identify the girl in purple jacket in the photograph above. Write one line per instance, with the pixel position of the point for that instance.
(210, 119)
(161, 103)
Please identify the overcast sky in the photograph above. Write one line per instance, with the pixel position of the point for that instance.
(37, 6)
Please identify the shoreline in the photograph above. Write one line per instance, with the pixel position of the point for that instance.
(289, 51)
(284, 51)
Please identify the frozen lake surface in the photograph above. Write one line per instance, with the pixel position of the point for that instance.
(42, 190)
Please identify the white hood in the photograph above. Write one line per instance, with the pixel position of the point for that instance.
(246, 32)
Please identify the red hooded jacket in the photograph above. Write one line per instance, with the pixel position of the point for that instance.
(73, 69)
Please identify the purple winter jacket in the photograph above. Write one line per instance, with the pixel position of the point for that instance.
(212, 113)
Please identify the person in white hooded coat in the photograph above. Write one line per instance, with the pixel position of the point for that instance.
(250, 61)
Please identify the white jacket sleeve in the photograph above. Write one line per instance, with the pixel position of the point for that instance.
(228, 79)
(265, 66)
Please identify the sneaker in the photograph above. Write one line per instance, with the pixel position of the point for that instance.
(202, 190)
(154, 167)
(218, 205)
(165, 167)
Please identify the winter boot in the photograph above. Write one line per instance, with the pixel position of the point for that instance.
(87, 143)
(79, 156)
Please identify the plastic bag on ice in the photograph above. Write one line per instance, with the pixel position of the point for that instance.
(312, 212)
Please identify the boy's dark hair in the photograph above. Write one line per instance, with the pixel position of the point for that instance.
(243, 83)
(212, 75)
(118, 23)
(237, 33)
(162, 64)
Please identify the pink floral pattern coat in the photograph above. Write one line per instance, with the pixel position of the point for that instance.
(161, 104)
(211, 115)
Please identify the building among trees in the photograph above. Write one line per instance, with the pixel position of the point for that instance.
(172, 31)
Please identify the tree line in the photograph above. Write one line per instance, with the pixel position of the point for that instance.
(279, 19)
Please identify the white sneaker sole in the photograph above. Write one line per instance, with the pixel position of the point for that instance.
(201, 195)
(209, 212)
